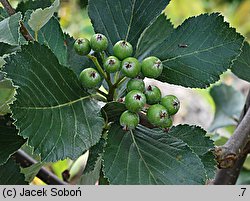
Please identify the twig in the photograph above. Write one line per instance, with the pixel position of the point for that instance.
(11, 11)
(46, 176)
(230, 175)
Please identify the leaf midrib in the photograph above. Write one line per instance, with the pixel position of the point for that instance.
(56, 106)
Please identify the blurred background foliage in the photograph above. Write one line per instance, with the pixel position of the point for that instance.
(74, 20)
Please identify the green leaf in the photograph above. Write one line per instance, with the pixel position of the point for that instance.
(7, 92)
(9, 29)
(195, 138)
(229, 104)
(32, 5)
(241, 66)
(3, 14)
(146, 156)
(10, 174)
(197, 52)
(154, 35)
(10, 141)
(52, 36)
(124, 19)
(40, 16)
(31, 172)
(113, 111)
(7, 49)
(74, 61)
(60, 119)
(92, 177)
(94, 154)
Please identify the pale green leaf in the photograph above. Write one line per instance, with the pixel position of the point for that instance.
(9, 29)
(40, 16)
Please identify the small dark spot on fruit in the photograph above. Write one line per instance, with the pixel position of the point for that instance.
(150, 88)
(158, 64)
(176, 103)
(163, 115)
(93, 74)
(137, 97)
(128, 65)
(99, 37)
(111, 62)
(79, 41)
(124, 43)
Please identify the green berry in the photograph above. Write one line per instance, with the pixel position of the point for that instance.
(157, 115)
(129, 120)
(171, 103)
(98, 42)
(131, 67)
(168, 123)
(153, 95)
(135, 101)
(152, 67)
(135, 84)
(90, 78)
(82, 46)
(112, 64)
(123, 49)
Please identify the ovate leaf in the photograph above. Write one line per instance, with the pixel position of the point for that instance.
(229, 104)
(10, 141)
(241, 66)
(197, 52)
(154, 35)
(9, 29)
(124, 19)
(146, 156)
(10, 174)
(52, 36)
(60, 119)
(40, 16)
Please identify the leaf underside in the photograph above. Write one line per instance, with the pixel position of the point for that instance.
(52, 110)
(229, 104)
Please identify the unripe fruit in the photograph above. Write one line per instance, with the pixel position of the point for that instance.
(112, 64)
(168, 123)
(99, 42)
(152, 67)
(82, 46)
(129, 120)
(90, 78)
(153, 95)
(131, 67)
(135, 84)
(171, 103)
(157, 115)
(123, 49)
(135, 101)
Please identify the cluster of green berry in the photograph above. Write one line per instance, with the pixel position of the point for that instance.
(160, 108)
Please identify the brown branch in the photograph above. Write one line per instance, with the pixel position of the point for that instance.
(235, 150)
(11, 11)
(46, 176)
